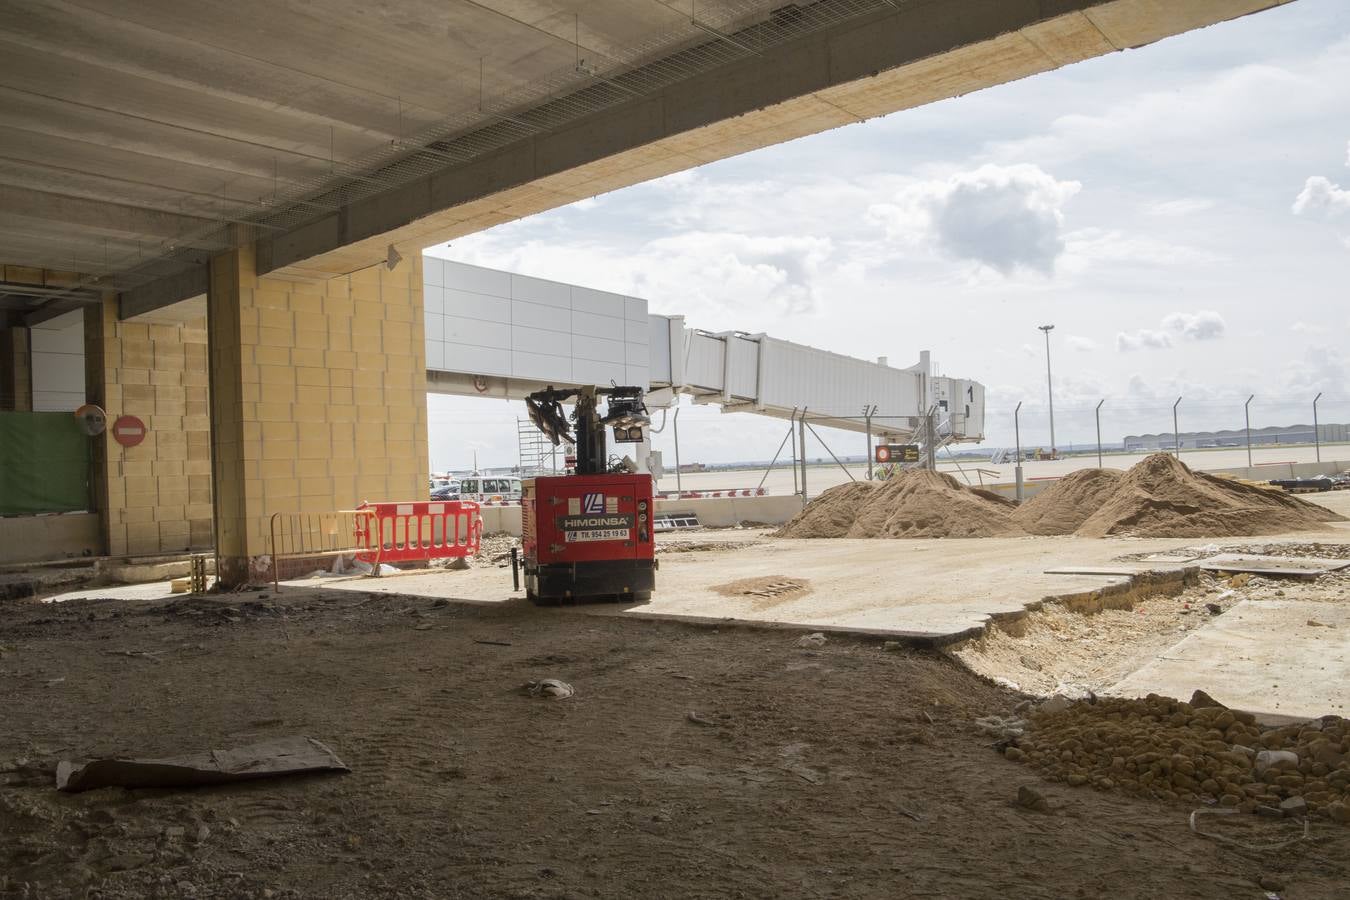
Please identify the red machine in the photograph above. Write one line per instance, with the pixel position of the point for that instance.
(588, 534)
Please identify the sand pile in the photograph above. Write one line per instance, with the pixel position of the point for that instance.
(916, 503)
(1161, 497)
(1066, 504)
(1193, 752)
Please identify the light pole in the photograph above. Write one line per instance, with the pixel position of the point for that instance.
(1049, 385)
(1317, 431)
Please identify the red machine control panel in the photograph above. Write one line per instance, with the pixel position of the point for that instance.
(599, 524)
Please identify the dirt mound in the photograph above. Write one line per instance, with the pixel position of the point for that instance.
(916, 503)
(831, 514)
(1066, 504)
(1197, 752)
(1162, 497)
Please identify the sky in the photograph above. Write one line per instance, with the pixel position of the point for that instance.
(1180, 213)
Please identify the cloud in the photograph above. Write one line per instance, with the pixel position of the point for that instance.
(1143, 339)
(1183, 207)
(1004, 217)
(1321, 195)
(1080, 343)
(691, 272)
(1205, 325)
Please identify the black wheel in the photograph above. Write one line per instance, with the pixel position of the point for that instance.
(641, 596)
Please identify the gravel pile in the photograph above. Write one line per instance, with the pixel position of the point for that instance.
(1197, 752)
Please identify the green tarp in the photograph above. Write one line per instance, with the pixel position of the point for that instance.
(44, 463)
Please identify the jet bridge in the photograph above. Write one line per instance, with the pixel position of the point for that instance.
(491, 333)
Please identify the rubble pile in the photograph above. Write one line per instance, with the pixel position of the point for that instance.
(1198, 752)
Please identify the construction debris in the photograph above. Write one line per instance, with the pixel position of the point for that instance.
(295, 755)
(550, 688)
(1177, 751)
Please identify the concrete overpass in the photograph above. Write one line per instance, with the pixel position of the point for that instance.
(290, 159)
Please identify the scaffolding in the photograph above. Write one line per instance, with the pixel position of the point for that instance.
(537, 454)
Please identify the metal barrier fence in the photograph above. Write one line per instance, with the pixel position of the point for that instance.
(322, 534)
(425, 530)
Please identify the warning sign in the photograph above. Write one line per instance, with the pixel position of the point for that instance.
(906, 453)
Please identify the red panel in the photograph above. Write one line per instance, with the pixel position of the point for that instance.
(422, 530)
(584, 518)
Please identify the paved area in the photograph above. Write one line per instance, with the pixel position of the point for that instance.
(1277, 658)
(934, 590)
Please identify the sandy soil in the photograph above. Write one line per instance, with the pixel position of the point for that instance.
(840, 771)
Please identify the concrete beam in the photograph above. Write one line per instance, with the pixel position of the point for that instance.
(897, 59)
(98, 215)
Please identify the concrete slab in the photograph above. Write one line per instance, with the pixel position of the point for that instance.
(933, 591)
(1306, 566)
(1263, 656)
(1125, 571)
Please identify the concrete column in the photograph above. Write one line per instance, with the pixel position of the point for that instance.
(318, 398)
(154, 498)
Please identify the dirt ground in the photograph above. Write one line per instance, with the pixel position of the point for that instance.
(843, 770)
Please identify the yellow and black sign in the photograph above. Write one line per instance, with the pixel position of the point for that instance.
(898, 453)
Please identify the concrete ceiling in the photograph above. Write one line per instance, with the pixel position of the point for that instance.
(138, 137)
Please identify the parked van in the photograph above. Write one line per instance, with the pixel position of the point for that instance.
(485, 488)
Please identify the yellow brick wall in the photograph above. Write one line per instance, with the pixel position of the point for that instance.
(320, 396)
(155, 497)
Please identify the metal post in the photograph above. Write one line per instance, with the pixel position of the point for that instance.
(1049, 386)
(931, 439)
(1247, 414)
(1317, 435)
(867, 413)
(1017, 436)
(1176, 432)
(801, 430)
(1098, 413)
(679, 486)
(792, 444)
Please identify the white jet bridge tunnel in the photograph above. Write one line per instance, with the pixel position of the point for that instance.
(491, 333)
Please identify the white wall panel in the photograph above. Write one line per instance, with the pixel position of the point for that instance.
(476, 306)
(600, 303)
(540, 315)
(433, 271)
(658, 349)
(434, 325)
(477, 280)
(476, 360)
(435, 354)
(538, 328)
(637, 332)
(58, 363)
(598, 349)
(540, 366)
(539, 340)
(537, 290)
(477, 333)
(597, 326)
(586, 371)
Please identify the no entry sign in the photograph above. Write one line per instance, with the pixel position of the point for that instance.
(128, 431)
